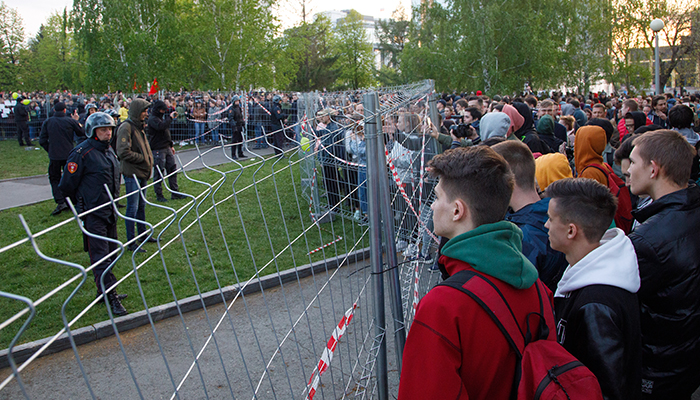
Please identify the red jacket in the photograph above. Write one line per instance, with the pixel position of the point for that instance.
(455, 351)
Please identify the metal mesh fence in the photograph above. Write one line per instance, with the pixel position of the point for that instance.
(266, 281)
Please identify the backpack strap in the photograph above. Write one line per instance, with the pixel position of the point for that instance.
(491, 299)
(598, 167)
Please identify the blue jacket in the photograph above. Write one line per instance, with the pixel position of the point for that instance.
(549, 263)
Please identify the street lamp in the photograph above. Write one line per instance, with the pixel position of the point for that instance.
(657, 25)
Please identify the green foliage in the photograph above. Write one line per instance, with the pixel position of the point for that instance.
(11, 38)
(355, 58)
(308, 49)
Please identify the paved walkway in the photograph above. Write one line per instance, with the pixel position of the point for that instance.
(25, 191)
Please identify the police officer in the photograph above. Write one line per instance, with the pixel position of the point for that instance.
(56, 137)
(277, 118)
(90, 166)
(21, 119)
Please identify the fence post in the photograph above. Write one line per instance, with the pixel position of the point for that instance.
(374, 172)
(390, 246)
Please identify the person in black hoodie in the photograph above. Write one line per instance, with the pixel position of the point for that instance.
(56, 138)
(527, 132)
(158, 130)
(237, 123)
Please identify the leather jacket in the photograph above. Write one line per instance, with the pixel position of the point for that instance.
(599, 325)
(668, 251)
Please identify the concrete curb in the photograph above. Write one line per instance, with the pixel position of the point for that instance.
(19, 178)
(105, 329)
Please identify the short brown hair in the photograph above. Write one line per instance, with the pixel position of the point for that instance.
(546, 103)
(479, 176)
(631, 104)
(520, 160)
(599, 105)
(586, 203)
(670, 150)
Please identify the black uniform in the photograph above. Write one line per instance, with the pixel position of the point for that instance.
(90, 166)
(237, 123)
(158, 129)
(56, 138)
(21, 118)
(276, 125)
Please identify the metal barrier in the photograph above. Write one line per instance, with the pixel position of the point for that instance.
(274, 269)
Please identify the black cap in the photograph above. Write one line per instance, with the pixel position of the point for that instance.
(60, 106)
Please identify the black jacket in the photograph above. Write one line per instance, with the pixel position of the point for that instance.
(667, 244)
(277, 116)
(236, 116)
(158, 130)
(56, 135)
(90, 166)
(21, 112)
(599, 325)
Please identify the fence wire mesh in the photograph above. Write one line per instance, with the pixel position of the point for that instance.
(265, 281)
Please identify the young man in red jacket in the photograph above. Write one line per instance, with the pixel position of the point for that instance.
(454, 350)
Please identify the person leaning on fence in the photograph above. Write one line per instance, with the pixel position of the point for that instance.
(90, 166)
(158, 129)
(136, 162)
(56, 138)
(454, 349)
(332, 139)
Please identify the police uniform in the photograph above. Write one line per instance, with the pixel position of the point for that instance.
(90, 166)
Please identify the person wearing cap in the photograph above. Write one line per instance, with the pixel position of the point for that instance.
(56, 137)
(158, 129)
(136, 163)
(21, 120)
(90, 166)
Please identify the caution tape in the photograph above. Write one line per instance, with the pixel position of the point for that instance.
(327, 355)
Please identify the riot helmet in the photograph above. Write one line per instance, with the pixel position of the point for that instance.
(98, 120)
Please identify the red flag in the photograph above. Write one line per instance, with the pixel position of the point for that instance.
(154, 87)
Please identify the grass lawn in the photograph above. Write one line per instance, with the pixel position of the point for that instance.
(16, 162)
(271, 215)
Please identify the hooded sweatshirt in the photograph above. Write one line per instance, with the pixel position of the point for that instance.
(598, 318)
(550, 168)
(516, 120)
(494, 124)
(588, 149)
(545, 131)
(454, 350)
(134, 152)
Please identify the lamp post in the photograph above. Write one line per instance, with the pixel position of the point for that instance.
(657, 25)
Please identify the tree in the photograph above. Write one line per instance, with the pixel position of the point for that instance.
(50, 60)
(678, 17)
(11, 43)
(309, 50)
(355, 58)
(233, 40)
(392, 35)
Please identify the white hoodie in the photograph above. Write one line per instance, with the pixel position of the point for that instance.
(614, 263)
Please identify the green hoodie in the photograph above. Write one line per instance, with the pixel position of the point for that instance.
(496, 250)
(135, 156)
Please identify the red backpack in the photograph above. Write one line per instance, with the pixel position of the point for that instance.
(544, 370)
(623, 215)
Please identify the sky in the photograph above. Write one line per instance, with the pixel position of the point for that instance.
(35, 12)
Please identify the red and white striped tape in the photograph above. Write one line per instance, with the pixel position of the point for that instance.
(327, 355)
(405, 196)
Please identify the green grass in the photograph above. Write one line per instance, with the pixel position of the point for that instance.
(23, 272)
(17, 162)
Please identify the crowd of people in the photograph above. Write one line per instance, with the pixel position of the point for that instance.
(593, 197)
